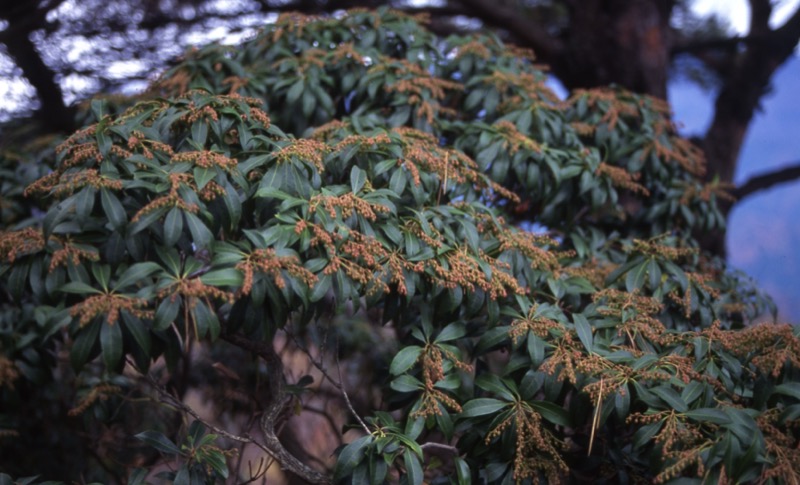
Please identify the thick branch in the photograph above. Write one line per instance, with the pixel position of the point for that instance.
(499, 15)
(743, 89)
(278, 402)
(763, 182)
(53, 112)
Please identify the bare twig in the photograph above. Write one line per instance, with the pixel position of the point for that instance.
(347, 398)
(176, 403)
(337, 384)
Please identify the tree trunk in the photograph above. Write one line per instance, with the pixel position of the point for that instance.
(623, 42)
(740, 96)
(53, 113)
(24, 18)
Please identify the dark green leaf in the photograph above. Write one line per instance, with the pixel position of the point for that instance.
(223, 277)
(111, 343)
(671, 397)
(78, 288)
(137, 274)
(203, 176)
(552, 412)
(404, 359)
(138, 330)
(113, 208)
(83, 345)
(413, 468)
(406, 383)
(454, 331)
(462, 471)
(584, 330)
(173, 226)
(788, 389)
(358, 178)
(295, 91)
(710, 415)
(159, 442)
(166, 313)
(201, 235)
(200, 132)
(350, 456)
(481, 407)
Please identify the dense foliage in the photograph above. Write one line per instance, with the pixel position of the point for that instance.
(517, 272)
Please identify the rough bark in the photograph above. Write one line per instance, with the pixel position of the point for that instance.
(617, 42)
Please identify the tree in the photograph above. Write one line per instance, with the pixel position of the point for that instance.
(512, 279)
(631, 44)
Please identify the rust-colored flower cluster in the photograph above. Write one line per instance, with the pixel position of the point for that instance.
(608, 101)
(14, 244)
(514, 139)
(69, 182)
(704, 192)
(381, 139)
(346, 204)
(194, 113)
(475, 47)
(193, 289)
(70, 253)
(567, 355)
(138, 142)
(523, 85)
(780, 442)
(653, 249)
(537, 450)
(463, 268)
(698, 280)
(364, 259)
(235, 82)
(292, 23)
(110, 305)
(769, 347)
(540, 326)
(422, 150)
(265, 261)
(205, 159)
(347, 50)
(680, 439)
(172, 198)
(674, 149)
(306, 150)
(432, 362)
(424, 90)
(100, 392)
(530, 246)
(636, 314)
(622, 178)
(593, 271)
(326, 131)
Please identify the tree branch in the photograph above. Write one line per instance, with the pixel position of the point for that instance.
(744, 87)
(765, 181)
(53, 112)
(509, 18)
(278, 401)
